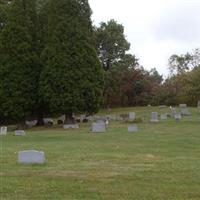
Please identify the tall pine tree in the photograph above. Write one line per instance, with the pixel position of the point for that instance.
(72, 78)
(19, 62)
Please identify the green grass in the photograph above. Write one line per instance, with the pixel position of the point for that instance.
(159, 162)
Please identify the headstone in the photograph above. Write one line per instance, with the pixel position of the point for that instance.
(163, 116)
(98, 127)
(3, 130)
(48, 121)
(177, 117)
(198, 104)
(183, 105)
(131, 116)
(132, 128)
(70, 126)
(154, 117)
(31, 157)
(184, 110)
(173, 112)
(61, 119)
(31, 124)
(20, 133)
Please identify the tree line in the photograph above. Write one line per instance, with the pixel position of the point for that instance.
(53, 60)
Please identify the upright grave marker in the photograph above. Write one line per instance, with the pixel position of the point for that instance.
(3, 130)
(132, 128)
(154, 117)
(31, 157)
(98, 127)
(20, 133)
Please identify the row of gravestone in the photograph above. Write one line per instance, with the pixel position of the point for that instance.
(83, 118)
(130, 117)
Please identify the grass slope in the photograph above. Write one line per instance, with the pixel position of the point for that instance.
(159, 162)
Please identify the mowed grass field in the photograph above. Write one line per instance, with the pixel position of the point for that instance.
(159, 162)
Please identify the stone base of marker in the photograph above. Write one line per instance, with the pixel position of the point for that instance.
(31, 157)
(3, 130)
(132, 128)
(98, 127)
(70, 126)
(20, 133)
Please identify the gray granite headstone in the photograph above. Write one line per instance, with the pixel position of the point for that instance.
(154, 117)
(132, 128)
(98, 127)
(31, 157)
(177, 117)
(184, 110)
(70, 126)
(3, 130)
(20, 133)
(163, 116)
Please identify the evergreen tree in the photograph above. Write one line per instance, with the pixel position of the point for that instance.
(72, 78)
(19, 62)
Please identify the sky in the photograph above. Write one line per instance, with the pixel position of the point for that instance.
(156, 29)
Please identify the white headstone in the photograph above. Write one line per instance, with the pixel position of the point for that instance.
(70, 126)
(31, 157)
(98, 127)
(132, 128)
(3, 130)
(20, 133)
(185, 112)
(131, 116)
(154, 117)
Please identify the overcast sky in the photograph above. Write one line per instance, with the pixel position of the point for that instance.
(156, 29)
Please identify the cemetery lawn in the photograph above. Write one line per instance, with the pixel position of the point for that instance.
(159, 162)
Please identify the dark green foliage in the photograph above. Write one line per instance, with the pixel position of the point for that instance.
(19, 68)
(111, 43)
(71, 80)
